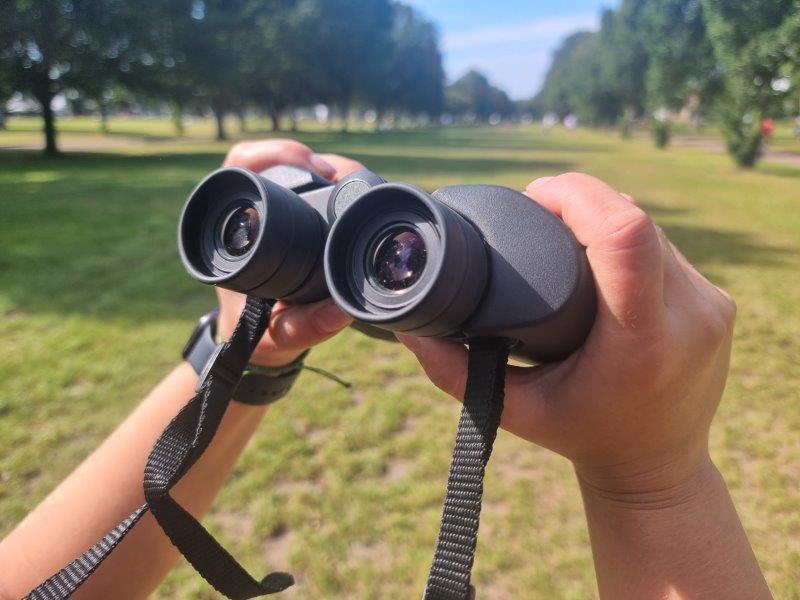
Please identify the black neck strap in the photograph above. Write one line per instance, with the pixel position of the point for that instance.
(188, 435)
(480, 417)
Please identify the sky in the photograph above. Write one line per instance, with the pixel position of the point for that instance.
(510, 41)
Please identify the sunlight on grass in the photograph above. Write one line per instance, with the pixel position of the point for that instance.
(344, 487)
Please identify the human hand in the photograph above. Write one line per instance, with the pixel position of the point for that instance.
(292, 328)
(631, 408)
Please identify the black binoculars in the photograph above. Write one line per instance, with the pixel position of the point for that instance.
(464, 261)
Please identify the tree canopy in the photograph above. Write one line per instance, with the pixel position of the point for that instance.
(226, 56)
(734, 61)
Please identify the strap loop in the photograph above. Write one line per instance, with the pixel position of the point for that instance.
(450, 573)
(180, 445)
(188, 435)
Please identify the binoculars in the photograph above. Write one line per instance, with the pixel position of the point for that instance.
(461, 262)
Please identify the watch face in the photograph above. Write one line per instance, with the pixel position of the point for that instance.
(207, 320)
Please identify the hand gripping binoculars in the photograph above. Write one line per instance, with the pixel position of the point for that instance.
(463, 261)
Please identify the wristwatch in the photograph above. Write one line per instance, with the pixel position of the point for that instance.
(259, 385)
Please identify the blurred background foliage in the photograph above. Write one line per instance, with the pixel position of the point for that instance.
(344, 487)
(731, 63)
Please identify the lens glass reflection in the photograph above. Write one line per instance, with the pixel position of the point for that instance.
(399, 259)
(240, 230)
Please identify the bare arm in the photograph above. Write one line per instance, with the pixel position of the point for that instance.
(107, 486)
(685, 542)
(633, 407)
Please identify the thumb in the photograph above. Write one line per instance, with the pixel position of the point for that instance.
(444, 362)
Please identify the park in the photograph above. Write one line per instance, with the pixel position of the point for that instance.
(342, 486)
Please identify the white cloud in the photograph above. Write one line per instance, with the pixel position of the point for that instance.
(542, 30)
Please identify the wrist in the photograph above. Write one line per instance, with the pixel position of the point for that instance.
(275, 359)
(657, 484)
(259, 357)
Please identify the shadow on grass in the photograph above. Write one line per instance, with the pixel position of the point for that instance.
(94, 234)
(708, 248)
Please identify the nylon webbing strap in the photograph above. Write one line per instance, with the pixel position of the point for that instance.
(177, 449)
(449, 578)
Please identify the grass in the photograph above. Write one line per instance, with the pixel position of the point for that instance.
(343, 487)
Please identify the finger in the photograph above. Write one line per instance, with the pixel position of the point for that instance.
(263, 154)
(444, 362)
(295, 327)
(621, 244)
(342, 164)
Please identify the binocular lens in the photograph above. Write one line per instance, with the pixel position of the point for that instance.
(399, 259)
(240, 230)
(246, 233)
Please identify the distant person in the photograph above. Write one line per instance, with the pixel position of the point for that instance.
(767, 128)
(549, 121)
(631, 409)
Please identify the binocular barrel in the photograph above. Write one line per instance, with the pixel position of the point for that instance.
(243, 232)
(462, 262)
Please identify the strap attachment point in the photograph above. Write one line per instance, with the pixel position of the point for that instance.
(217, 367)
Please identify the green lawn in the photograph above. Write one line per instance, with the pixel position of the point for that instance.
(343, 487)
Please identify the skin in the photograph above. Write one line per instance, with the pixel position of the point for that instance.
(74, 516)
(631, 409)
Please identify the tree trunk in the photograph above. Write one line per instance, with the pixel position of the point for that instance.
(103, 116)
(3, 116)
(219, 115)
(177, 118)
(345, 115)
(275, 117)
(293, 120)
(50, 146)
(240, 114)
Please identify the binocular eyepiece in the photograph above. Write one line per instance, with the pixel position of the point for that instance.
(462, 262)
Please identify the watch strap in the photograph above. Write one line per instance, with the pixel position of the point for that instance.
(264, 385)
(258, 385)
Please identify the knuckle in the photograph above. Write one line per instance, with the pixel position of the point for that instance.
(713, 327)
(236, 151)
(628, 228)
(282, 330)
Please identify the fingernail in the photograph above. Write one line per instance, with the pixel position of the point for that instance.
(409, 341)
(322, 166)
(330, 318)
(540, 181)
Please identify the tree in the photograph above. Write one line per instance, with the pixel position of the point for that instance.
(681, 61)
(556, 93)
(50, 45)
(755, 43)
(352, 40)
(623, 60)
(471, 93)
(161, 68)
(291, 75)
(413, 77)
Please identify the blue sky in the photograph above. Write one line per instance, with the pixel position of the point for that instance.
(510, 41)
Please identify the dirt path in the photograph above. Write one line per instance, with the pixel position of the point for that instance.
(712, 145)
(77, 144)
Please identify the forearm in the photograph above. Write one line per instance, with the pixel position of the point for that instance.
(685, 543)
(107, 487)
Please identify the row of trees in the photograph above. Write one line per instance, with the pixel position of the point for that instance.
(738, 62)
(226, 56)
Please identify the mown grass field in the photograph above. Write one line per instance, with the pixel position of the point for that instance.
(343, 487)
